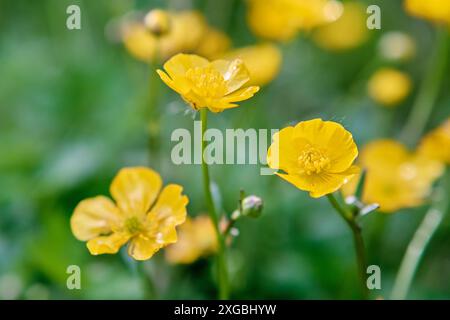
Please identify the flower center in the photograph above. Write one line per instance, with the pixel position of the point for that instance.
(312, 160)
(207, 82)
(133, 225)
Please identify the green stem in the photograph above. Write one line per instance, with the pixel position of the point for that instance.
(222, 272)
(153, 115)
(428, 92)
(147, 282)
(357, 240)
(420, 240)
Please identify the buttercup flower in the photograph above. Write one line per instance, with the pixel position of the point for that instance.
(143, 215)
(282, 19)
(214, 85)
(347, 32)
(316, 156)
(436, 144)
(435, 10)
(196, 238)
(396, 178)
(389, 86)
(147, 46)
(263, 62)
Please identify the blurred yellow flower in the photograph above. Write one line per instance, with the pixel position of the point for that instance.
(143, 215)
(214, 85)
(389, 86)
(263, 61)
(157, 22)
(196, 238)
(140, 43)
(184, 34)
(396, 178)
(435, 10)
(213, 43)
(347, 32)
(436, 144)
(316, 156)
(282, 19)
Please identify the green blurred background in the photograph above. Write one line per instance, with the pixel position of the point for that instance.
(72, 113)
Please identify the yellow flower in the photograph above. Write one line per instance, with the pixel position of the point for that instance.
(389, 87)
(214, 42)
(196, 238)
(436, 144)
(396, 178)
(157, 22)
(140, 43)
(435, 10)
(347, 32)
(143, 215)
(263, 62)
(184, 34)
(214, 85)
(316, 156)
(282, 19)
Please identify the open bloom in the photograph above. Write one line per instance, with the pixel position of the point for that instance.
(147, 46)
(436, 144)
(396, 178)
(142, 215)
(435, 10)
(316, 156)
(282, 19)
(214, 85)
(197, 238)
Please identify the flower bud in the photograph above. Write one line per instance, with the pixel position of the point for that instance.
(157, 22)
(252, 206)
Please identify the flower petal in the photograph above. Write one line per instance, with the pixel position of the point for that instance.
(168, 212)
(282, 154)
(234, 72)
(333, 138)
(93, 217)
(321, 184)
(143, 248)
(179, 64)
(241, 94)
(135, 189)
(178, 84)
(107, 244)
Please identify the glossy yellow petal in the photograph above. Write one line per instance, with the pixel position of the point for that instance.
(93, 217)
(107, 244)
(319, 185)
(336, 142)
(178, 84)
(142, 247)
(179, 64)
(282, 154)
(241, 94)
(234, 72)
(168, 212)
(135, 189)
